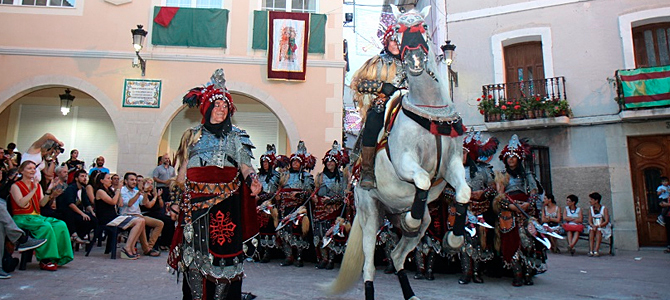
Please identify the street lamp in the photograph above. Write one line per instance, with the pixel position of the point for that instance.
(139, 34)
(66, 102)
(448, 52)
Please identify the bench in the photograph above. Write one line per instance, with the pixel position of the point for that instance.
(584, 235)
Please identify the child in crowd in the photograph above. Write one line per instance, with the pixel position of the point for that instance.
(663, 192)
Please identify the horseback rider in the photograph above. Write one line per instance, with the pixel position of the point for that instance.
(267, 212)
(374, 84)
(296, 186)
(329, 201)
(480, 178)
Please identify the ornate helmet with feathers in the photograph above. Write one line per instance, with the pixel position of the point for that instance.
(337, 154)
(518, 148)
(307, 160)
(477, 149)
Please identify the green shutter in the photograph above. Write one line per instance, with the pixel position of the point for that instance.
(317, 32)
(193, 27)
(259, 39)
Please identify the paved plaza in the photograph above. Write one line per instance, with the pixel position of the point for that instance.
(628, 275)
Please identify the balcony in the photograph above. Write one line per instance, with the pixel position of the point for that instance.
(643, 89)
(525, 105)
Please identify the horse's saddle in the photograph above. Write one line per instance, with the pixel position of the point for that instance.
(439, 120)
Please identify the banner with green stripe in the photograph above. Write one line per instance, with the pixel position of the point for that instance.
(317, 32)
(645, 87)
(191, 27)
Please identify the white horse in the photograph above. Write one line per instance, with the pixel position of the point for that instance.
(425, 149)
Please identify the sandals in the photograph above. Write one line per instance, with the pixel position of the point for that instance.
(126, 255)
(153, 252)
(667, 250)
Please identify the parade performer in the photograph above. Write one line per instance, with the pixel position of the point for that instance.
(267, 212)
(374, 84)
(387, 238)
(516, 190)
(296, 185)
(329, 204)
(431, 242)
(480, 178)
(217, 208)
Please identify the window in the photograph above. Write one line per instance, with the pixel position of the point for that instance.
(651, 44)
(48, 3)
(290, 5)
(538, 164)
(524, 69)
(195, 3)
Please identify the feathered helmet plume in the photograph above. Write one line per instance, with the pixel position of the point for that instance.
(215, 89)
(516, 147)
(478, 149)
(307, 160)
(270, 155)
(337, 154)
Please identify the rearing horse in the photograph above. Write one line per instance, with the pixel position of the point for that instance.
(424, 150)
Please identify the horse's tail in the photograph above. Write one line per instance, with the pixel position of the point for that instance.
(352, 262)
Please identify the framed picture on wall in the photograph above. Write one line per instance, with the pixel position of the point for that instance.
(142, 93)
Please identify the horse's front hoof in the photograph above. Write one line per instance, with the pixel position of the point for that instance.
(414, 298)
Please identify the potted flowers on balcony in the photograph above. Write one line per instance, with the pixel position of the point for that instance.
(488, 108)
(560, 108)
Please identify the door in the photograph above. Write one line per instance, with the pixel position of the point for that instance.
(649, 159)
(524, 70)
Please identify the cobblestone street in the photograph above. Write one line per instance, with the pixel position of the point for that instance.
(628, 275)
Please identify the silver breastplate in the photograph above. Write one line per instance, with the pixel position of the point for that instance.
(269, 186)
(212, 151)
(515, 184)
(331, 187)
(295, 181)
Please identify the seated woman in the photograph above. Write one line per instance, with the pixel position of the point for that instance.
(105, 208)
(27, 200)
(551, 217)
(573, 222)
(599, 224)
(154, 207)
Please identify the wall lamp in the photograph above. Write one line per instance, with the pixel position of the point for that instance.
(139, 34)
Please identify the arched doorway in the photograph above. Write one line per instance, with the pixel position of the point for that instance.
(87, 127)
(260, 122)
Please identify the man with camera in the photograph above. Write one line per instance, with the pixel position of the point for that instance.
(43, 152)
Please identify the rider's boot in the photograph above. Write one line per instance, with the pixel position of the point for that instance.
(367, 168)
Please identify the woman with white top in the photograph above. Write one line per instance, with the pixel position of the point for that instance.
(599, 224)
(573, 222)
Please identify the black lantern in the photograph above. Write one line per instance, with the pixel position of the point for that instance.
(139, 34)
(66, 102)
(448, 52)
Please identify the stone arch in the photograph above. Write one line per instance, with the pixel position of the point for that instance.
(20, 89)
(249, 90)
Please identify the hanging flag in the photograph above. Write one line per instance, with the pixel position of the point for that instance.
(190, 27)
(165, 15)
